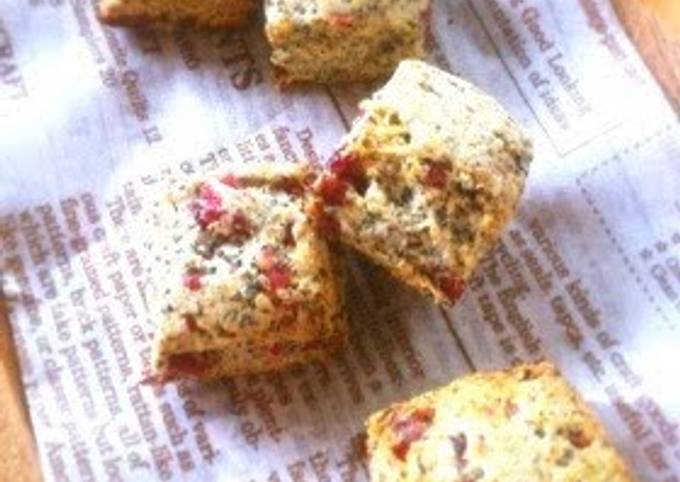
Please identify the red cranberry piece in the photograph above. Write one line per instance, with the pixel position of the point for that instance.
(233, 226)
(349, 168)
(277, 273)
(410, 428)
(288, 237)
(207, 216)
(345, 166)
(278, 276)
(240, 224)
(189, 364)
(328, 225)
(192, 281)
(340, 21)
(333, 190)
(211, 197)
(276, 349)
(208, 208)
(190, 323)
(268, 258)
(231, 180)
(579, 438)
(453, 287)
(437, 175)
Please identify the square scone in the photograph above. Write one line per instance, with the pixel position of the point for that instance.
(526, 424)
(426, 179)
(213, 14)
(242, 282)
(332, 41)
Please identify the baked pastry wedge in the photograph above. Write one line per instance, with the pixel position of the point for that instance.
(243, 284)
(426, 179)
(525, 424)
(331, 41)
(215, 14)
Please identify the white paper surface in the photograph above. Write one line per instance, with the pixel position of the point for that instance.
(588, 274)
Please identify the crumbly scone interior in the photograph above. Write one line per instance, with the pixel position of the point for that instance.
(342, 41)
(255, 277)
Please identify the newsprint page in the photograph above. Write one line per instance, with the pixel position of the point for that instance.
(92, 119)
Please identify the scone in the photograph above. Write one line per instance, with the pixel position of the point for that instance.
(169, 13)
(426, 179)
(243, 284)
(522, 425)
(332, 41)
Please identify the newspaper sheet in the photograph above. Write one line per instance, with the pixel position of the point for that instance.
(588, 275)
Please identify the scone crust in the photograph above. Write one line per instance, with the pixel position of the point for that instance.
(525, 424)
(243, 282)
(437, 170)
(211, 14)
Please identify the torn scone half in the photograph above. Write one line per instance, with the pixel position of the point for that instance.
(243, 284)
(426, 180)
(334, 41)
(525, 424)
(212, 14)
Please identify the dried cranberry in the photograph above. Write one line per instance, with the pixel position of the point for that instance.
(425, 18)
(288, 237)
(453, 287)
(328, 225)
(231, 180)
(333, 190)
(268, 258)
(233, 226)
(190, 323)
(409, 428)
(348, 167)
(426, 13)
(579, 438)
(240, 224)
(209, 195)
(189, 364)
(276, 349)
(278, 276)
(436, 175)
(192, 281)
(325, 223)
(207, 216)
(208, 208)
(510, 408)
(340, 21)
(277, 273)
(345, 165)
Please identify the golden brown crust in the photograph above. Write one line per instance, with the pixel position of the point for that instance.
(525, 424)
(218, 14)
